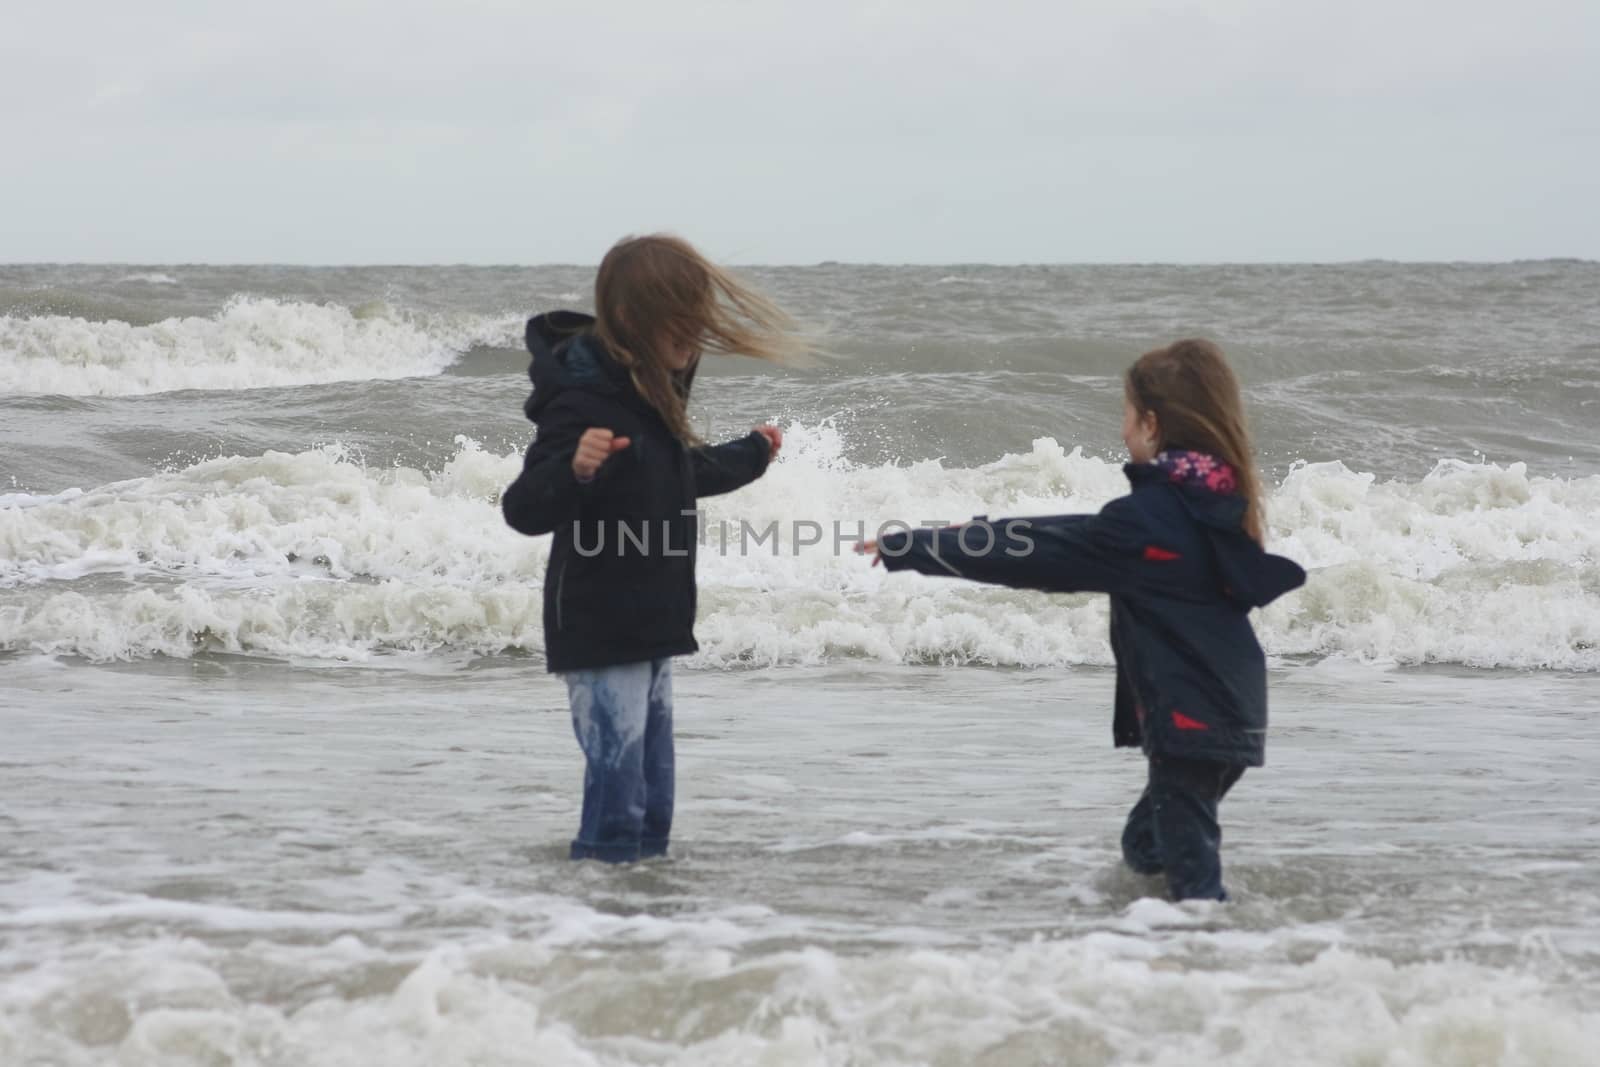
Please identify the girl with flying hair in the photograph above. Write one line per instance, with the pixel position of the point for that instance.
(613, 475)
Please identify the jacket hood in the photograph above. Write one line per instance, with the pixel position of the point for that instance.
(567, 355)
(1251, 576)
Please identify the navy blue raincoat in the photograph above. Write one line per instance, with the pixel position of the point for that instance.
(1183, 576)
(620, 587)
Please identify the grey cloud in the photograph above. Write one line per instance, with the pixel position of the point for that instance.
(888, 130)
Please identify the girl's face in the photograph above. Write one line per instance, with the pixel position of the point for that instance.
(1140, 433)
(680, 355)
(678, 348)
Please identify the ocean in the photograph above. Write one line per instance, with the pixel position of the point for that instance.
(286, 782)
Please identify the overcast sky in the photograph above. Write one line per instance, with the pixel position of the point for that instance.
(480, 131)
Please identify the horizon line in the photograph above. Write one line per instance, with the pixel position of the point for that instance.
(813, 264)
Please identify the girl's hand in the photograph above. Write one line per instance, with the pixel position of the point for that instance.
(864, 547)
(774, 438)
(595, 447)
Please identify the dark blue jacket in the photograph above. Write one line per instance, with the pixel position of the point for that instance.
(620, 586)
(1183, 576)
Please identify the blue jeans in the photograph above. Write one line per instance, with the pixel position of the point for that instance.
(622, 716)
(1174, 830)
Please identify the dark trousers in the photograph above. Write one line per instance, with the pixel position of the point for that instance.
(1173, 829)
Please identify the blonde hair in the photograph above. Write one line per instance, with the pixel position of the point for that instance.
(1195, 397)
(658, 290)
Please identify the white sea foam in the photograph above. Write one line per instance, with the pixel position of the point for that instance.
(28, 500)
(1108, 1000)
(209, 916)
(315, 555)
(251, 343)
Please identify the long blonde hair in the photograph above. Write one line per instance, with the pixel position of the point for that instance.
(1196, 400)
(657, 290)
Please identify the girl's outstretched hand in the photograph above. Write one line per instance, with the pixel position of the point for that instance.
(595, 447)
(865, 547)
(774, 438)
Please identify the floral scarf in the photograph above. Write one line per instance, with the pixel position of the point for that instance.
(1199, 470)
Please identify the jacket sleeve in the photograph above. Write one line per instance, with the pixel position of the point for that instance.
(723, 468)
(1058, 554)
(547, 493)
